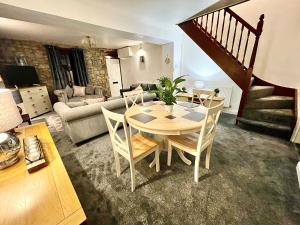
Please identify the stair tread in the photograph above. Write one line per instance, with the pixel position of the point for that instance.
(255, 87)
(279, 112)
(276, 97)
(265, 124)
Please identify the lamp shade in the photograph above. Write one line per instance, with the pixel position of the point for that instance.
(9, 113)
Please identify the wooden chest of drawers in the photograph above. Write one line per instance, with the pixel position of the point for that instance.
(36, 100)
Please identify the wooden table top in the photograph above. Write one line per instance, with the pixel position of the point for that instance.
(153, 118)
(43, 197)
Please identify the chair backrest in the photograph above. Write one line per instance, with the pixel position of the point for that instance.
(113, 122)
(131, 97)
(205, 96)
(208, 130)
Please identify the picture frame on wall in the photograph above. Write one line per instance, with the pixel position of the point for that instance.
(21, 60)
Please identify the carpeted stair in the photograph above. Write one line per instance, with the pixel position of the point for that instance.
(268, 113)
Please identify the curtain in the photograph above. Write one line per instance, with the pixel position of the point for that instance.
(78, 67)
(58, 73)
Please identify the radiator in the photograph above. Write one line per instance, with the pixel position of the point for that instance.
(224, 92)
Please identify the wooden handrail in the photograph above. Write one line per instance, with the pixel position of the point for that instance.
(242, 21)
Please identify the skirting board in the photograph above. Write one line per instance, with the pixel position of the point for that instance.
(298, 172)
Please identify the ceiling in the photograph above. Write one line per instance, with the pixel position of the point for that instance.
(114, 24)
(21, 30)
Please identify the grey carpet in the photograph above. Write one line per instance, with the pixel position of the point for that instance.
(252, 181)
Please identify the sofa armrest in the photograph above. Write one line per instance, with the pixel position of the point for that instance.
(62, 95)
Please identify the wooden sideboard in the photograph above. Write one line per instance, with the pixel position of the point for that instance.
(36, 100)
(44, 197)
(187, 97)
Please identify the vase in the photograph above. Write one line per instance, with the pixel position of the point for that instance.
(169, 108)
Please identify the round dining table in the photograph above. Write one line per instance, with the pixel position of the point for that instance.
(152, 117)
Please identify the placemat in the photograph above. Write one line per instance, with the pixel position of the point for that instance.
(188, 104)
(142, 117)
(194, 116)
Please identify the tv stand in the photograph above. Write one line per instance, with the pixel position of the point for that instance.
(36, 100)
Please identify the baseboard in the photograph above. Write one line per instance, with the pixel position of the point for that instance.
(298, 172)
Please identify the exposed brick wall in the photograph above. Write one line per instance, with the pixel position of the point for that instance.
(36, 55)
(96, 67)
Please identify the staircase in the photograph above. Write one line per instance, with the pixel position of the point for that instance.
(232, 44)
(269, 108)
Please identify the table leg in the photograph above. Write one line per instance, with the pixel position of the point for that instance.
(183, 158)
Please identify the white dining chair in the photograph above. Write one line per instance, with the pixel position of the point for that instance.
(131, 99)
(195, 143)
(133, 148)
(205, 97)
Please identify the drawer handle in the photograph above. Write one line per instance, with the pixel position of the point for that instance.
(28, 91)
(30, 98)
(33, 104)
(35, 111)
(46, 108)
(44, 101)
(42, 95)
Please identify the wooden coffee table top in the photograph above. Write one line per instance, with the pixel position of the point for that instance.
(46, 196)
(153, 118)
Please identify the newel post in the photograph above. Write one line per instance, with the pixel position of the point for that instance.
(259, 30)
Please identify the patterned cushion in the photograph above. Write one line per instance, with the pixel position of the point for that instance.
(89, 90)
(69, 91)
(78, 91)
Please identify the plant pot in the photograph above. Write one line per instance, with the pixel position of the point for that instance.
(169, 108)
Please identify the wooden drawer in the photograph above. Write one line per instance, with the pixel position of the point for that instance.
(36, 100)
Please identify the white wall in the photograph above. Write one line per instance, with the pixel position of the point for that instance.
(167, 52)
(134, 71)
(278, 53)
(198, 66)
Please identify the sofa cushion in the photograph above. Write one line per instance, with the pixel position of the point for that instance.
(93, 101)
(145, 87)
(89, 90)
(69, 91)
(76, 99)
(98, 91)
(78, 91)
(76, 104)
(92, 96)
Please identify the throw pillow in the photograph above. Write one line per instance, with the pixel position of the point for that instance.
(69, 91)
(89, 90)
(93, 101)
(78, 91)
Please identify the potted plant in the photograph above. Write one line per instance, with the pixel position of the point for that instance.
(167, 90)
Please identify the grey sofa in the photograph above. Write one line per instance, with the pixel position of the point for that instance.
(84, 122)
(63, 97)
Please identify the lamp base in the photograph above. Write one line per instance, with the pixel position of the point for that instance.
(9, 162)
(9, 147)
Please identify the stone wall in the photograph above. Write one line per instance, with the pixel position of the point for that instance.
(96, 67)
(36, 55)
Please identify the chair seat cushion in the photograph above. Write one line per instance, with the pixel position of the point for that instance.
(187, 140)
(142, 144)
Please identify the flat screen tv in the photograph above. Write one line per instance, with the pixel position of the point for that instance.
(21, 76)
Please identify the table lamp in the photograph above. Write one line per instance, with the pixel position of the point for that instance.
(9, 119)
